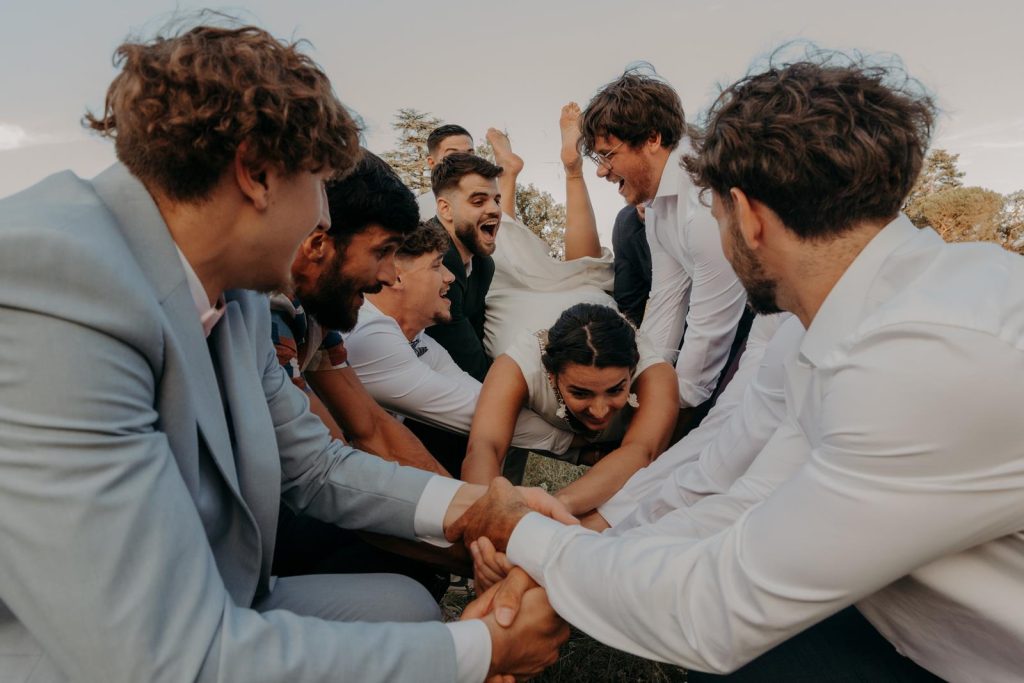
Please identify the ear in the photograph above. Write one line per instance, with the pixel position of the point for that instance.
(317, 247)
(444, 209)
(653, 142)
(251, 178)
(430, 162)
(750, 217)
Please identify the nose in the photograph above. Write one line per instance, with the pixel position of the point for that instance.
(599, 409)
(603, 170)
(446, 276)
(325, 210)
(386, 273)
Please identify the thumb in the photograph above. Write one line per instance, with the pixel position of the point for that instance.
(509, 595)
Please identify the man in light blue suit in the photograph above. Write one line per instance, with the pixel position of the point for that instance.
(147, 432)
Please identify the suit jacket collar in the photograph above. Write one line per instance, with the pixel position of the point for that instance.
(150, 241)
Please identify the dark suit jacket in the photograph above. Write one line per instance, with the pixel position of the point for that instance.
(463, 336)
(632, 264)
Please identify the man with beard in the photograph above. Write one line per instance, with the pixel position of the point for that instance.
(469, 208)
(371, 211)
(879, 533)
(635, 130)
(410, 373)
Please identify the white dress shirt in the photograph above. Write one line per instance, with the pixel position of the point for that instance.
(426, 384)
(906, 495)
(693, 287)
(711, 457)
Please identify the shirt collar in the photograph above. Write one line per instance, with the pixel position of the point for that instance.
(670, 175)
(209, 315)
(841, 311)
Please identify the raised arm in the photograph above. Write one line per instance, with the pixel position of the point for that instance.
(511, 164)
(646, 437)
(502, 397)
(581, 237)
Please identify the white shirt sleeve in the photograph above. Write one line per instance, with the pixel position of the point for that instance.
(717, 300)
(665, 313)
(472, 650)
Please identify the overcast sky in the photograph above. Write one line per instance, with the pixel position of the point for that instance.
(512, 65)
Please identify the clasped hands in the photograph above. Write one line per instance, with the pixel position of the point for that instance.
(525, 631)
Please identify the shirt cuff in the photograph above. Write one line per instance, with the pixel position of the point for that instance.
(428, 520)
(530, 542)
(618, 507)
(472, 650)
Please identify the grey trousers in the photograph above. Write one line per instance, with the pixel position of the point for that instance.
(352, 597)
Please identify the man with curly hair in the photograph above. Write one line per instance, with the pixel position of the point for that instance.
(147, 431)
(878, 534)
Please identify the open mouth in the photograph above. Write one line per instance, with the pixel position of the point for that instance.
(490, 229)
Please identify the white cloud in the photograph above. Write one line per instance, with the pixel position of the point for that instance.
(13, 137)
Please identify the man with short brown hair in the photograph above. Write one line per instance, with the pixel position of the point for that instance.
(147, 431)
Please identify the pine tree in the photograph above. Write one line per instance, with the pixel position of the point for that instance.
(409, 158)
(940, 172)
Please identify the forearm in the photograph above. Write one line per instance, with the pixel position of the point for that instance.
(581, 237)
(392, 440)
(483, 462)
(604, 479)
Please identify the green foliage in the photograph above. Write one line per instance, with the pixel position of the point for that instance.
(940, 172)
(409, 158)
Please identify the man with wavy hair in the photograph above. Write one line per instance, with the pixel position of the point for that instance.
(635, 131)
(879, 535)
(147, 431)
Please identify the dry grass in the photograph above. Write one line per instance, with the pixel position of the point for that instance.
(583, 659)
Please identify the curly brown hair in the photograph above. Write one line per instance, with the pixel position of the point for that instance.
(183, 105)
(429, 237)
(632, 108)
(825, 142)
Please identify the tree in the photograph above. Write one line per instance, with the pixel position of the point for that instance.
(940, 172)
(1011, 222)
(537, 210)
(963, 214)
(409, 158)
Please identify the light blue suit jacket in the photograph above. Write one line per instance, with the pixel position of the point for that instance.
(141, 466)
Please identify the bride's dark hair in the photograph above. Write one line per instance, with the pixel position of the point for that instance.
(590, 334)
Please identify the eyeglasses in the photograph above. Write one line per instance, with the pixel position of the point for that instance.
(604, 159)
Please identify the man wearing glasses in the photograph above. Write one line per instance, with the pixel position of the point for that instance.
(634, 129)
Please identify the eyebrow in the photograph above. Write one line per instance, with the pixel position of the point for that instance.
(481, 194)
(573, 387)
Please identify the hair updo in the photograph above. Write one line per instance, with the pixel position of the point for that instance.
(592, 335)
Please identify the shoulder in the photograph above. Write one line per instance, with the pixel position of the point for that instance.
(525, 351)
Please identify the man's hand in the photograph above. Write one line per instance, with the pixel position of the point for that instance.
(489, 565)
(496, 513)
(525, 631)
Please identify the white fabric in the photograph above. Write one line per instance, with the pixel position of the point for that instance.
(430, 387)
(692, 285)
(541, 398)
(711, 457)
(472, 650)
(427, 204)
(906, 495)
(530, 289)
(209, 315)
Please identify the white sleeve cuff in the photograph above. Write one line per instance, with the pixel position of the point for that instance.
(472, 650)
(618, 507)
(428, 520)
(530, 542)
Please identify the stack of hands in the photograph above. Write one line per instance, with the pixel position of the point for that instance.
(526, 633)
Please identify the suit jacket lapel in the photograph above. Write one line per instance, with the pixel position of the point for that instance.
(149, 239)
(257, 458)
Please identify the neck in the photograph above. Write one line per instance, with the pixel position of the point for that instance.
(200, 232)
(815, 267)
(658, 162)
(390, 305)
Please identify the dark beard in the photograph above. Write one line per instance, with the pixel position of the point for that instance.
(333, 303)
(470, 238)
(760, 288)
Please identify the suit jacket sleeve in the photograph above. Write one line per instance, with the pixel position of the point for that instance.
(105, 560)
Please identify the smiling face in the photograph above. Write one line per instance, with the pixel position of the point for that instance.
(425, 283)
(593, 395)
(475, 213)
(633, 169)
(364, 266)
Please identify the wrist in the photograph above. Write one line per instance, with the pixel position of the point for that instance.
(464, 498)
